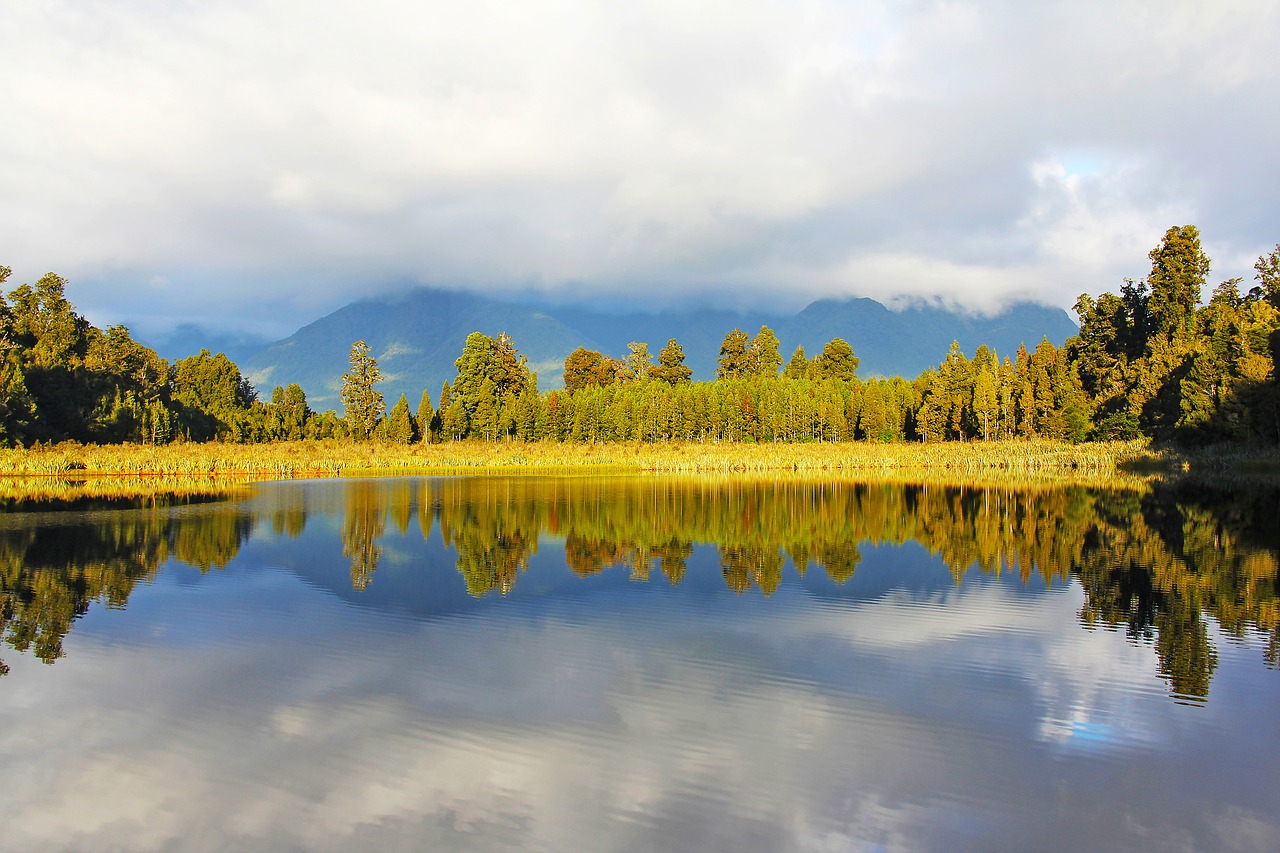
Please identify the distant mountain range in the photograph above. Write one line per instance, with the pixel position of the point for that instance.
(417, 336)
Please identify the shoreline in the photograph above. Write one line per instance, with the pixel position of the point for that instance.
(333, 458)
(298, 459)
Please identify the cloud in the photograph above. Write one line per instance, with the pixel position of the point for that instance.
(596, 724)
(288, 156)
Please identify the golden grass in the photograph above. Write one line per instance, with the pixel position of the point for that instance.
(16, 492)
(287, 460)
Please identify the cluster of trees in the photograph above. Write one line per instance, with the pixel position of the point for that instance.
(1150, 361)
(1153, 361)
(62, 378)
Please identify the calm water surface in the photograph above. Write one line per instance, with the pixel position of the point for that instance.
(643, 664)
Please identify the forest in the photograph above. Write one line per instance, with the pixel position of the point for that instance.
(1153, 361)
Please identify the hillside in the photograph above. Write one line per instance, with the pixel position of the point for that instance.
(417, 336)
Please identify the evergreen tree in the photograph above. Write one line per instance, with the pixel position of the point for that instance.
(493, 361)
(128, 389)
(735, 360)
(763, 357)
(508, 369)
(362, 403)
(1178, 271)
(484, 420)
(638, 363)
(211, 395)
(454, 421)
(798, 366)
(426, 417)
(53, 341)
(400, 423)
(584, 368)
(836, 361)
(671, 368)
(476, 365)
(1268, 278)
(289, 412)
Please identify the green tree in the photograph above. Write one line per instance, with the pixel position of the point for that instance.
(1268, 278)
(476, 365)
(426, 417)
(53, 340)
(291, 412)
(798, 366)
(400, 423)
(1178, 271)
(212, 397)
(836, 361)
(763, 357)
(484, 420)
(671, 368)
(735, 358)
(129, 386)
(638, 363)
(508, 369)
(361, 401)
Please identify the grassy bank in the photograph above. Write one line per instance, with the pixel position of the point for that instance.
(332, 459)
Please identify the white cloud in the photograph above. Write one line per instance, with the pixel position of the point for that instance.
(284, 153)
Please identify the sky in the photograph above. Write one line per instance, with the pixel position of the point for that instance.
(253, 165)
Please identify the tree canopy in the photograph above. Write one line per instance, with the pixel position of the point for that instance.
(1152, 359)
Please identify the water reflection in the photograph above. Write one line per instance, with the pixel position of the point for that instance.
(52, 567)
(1156, 563)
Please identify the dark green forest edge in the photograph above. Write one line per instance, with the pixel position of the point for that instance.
(1150, 362)
(1163, 565)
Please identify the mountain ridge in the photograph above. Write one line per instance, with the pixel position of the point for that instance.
(416, 336)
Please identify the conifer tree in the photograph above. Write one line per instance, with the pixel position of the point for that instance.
(764, 358)
(734, 356)
(798, 366)
(485, 418)
(1268, 278)
(1178, 271)
(361, 401)
(638, 363)
(400, 423)
(211, 395)
(425, 418)
(584, 368)
(671, 368)
(836, 361)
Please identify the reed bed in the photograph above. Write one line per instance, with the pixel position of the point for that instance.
(302, 459)
(19, 492)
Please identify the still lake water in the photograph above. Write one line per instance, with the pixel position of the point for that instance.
(643, 664)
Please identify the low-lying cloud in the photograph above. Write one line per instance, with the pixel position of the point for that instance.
(283, 158)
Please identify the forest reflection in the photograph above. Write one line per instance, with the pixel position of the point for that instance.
(1155, 562)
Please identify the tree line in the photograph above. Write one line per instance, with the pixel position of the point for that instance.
(1150, 361)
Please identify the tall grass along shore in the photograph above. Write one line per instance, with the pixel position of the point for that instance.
(284, 460)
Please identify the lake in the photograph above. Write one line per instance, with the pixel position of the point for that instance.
(642, 663)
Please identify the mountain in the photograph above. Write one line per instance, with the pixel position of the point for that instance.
(189, 339)
(417, 336)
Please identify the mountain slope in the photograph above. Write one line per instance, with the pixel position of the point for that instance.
(417, 336)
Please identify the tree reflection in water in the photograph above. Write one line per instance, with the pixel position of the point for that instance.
(51, 573)
(1155, 562)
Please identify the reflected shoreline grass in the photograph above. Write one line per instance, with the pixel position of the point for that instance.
(104, 490)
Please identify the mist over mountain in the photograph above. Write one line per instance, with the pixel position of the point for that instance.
(189, 338)
(417, 336)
